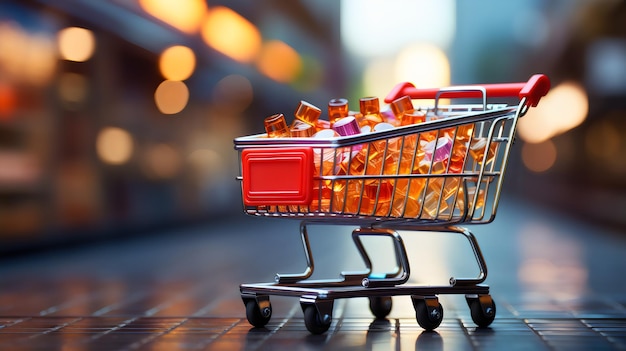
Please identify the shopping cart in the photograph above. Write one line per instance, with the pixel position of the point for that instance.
(430, 176)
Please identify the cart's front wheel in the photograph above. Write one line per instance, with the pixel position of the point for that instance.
(428, 312)
(380, 306)
(315, 323)
(482, 309)
(257, 315)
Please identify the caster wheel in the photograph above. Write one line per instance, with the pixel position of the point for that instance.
(483, 310)
(315, 323)
(429, 314)
(258, 316)
(380, 306)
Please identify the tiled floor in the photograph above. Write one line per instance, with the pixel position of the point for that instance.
(557, 283)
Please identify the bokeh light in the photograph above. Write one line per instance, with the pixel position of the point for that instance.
(76, 44)
(372, 28)
(114, 145)
(539, 157)
(424, 65)
(233, 92)
(185, 15)
(171, 96)
(279, 61)
(26, 57)
(8, 101)
(162, 161)
(231, 34)
(376, 78)
(72, 87)
(177, 62)
(563, 108)
(206, 162)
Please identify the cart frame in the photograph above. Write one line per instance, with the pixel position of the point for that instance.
(495, 122)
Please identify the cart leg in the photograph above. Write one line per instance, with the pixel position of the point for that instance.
(482, 266)
(310, 266)
(317, 313)
(400, 275)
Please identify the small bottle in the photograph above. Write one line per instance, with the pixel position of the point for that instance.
(413, 117)
(346, 126)
(370, 110)
(337, 109)
(401, 106)
(276, 126)
(301, 129)
(307, 113)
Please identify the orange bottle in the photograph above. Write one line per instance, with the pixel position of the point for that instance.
(276, 126)
(370, 111)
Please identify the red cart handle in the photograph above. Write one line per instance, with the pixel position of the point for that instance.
(537, 86)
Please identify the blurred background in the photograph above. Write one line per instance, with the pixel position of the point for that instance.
(118, 117)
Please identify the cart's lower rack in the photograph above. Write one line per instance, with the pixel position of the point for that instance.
(317, 304)
(317, 296)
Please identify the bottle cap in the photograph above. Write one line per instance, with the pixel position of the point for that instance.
(347, 126)
(382, 126)
(325, 133)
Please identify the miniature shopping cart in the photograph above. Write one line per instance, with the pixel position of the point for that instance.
(431, 176)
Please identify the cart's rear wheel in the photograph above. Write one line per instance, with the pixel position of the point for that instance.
(482, 309)
(258, 316)
(429, 314)
(315, 323)
(380, 306)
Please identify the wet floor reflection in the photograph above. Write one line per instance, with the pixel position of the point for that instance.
(549, 278)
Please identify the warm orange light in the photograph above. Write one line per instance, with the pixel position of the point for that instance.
(163, 161)
(26, 57)
(8, 101)
(539, 157)
(279, 61)
(171, 96)
(114, 145)
(76, 44)
(177, 62)
(229, 33)
(185, 15)
(563, 108)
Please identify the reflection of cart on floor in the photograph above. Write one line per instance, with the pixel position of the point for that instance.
(429, 176)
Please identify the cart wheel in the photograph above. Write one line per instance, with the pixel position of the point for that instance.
(314, 322)
(257, 316)
(428, 317)
(380, 306)
(482, 309)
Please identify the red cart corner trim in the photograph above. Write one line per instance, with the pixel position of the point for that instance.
(277, 176)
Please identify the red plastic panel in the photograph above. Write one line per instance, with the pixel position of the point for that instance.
(277, 176)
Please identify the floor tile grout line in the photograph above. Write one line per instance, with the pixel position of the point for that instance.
(152, 337)
(467, 334)
(57, 328)
(280, 325)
